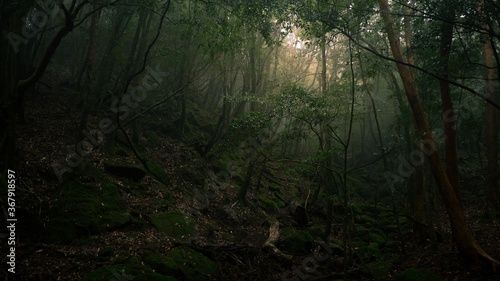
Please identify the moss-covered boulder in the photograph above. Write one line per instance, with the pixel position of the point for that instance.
(379, 269)
(158, 171)
(125, 170)
(365, 220)
(369, 252)
(413, 274)
(131, 269)
(271, 205)
(377, 239)
(85, 209)
(316, 231)
(183, 263)
(174, 224)
(295, 241)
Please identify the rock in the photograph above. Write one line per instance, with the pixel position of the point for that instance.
(378, 269)
(131, 269)
(85, 209)
(183, 262)
(295, 241)
(175, 225)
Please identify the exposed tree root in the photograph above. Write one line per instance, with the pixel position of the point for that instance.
(274, 235)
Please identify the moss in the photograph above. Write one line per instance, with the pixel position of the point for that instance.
(316, 231)
(295, 241)
(158, 172)
(183, 262)
(369, 252)
(378, 269)
(173, 224)
(361, 231)
(377, 239)
(413, 274)
(270, 204)
(84, 209)
(365, 220)
(274, 187)
(132, 269)
(162, 264)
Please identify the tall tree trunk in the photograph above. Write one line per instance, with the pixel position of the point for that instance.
(91, 57)
(9, 22)
(327, 178)
(446, 102)
(470, 251)
(419, 175)
(491, 119)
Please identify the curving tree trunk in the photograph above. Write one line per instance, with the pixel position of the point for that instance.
(471, 253)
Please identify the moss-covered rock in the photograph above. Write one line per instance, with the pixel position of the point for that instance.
(182, 262)
(131, 269)
(174, 224)
(158, 172)
(274, 187)
(377, 239)
(361, 231)
(413, 274)
(378, 269)
(85, 209)
(271, 205)
(365, 220)
(295, 241)
(316, 231)
(369, 252)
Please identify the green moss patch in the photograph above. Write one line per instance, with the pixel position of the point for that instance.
(158, 172)
(85, 209)
(295, 241)
(378, 269)
(413, 274)
(368, 253)
(131, 269)
(174, 224)
(182, 262)
(270, 204)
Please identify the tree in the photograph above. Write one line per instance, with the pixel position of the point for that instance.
(470, 251)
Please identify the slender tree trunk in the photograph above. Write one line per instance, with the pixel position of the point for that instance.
(91, 57)
(447, 104)
(491, 119)
(247, 181)
(418, 176)
(470, 251)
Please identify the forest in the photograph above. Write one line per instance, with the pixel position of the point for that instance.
(250, 140)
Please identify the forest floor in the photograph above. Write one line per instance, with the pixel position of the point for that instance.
(47, 130)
